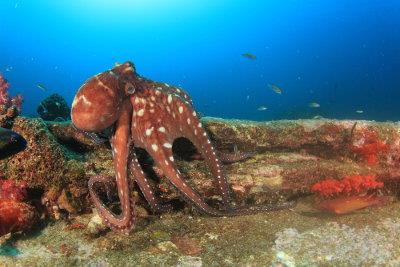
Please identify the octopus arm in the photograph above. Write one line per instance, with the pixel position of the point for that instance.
(158, 119)
(120, 143)
(145, 187)
(188, 125)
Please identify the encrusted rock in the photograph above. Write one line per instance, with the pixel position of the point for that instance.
(291, 157)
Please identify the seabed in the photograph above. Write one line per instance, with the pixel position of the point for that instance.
(291, 157)
(297, 237)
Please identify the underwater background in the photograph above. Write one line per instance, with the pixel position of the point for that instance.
(342, 55)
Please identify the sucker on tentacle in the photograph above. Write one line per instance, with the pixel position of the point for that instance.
(152, 115)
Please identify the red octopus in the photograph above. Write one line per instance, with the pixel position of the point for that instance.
(149, 115)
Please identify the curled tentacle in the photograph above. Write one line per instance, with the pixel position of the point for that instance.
(120, 145)
(235, 156)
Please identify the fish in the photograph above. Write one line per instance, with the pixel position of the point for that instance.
(41, 87)
(9, 68)
(10, 143)
(249, 56)
(359, 111)
(275, 88)
(314, 105)
(318, 117)
(262, 108)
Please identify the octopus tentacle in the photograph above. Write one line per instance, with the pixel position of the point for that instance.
(120, 145)
(164, 159)
(235, 156)
(174, 119)
(145, 187)
(191, 128)
(156, 136)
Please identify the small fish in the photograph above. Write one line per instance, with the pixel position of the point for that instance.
(249, 56)
(262, 108)
(9, 68)
(275, 88)
(10, 143)
(360, 111)
(314, 105)
(318, 117)
(41, 87)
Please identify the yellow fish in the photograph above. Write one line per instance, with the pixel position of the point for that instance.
(314, 105)
(249, 56)
(275, 88)
(41, 87)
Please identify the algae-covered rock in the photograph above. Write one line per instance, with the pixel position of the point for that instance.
(291, 157)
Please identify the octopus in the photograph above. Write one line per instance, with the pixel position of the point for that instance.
(148, 115)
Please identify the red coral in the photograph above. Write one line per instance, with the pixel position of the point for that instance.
(349, 185)
(4, 97)
(370, 147)
(5, 100)
(10, 189)
(15, 215)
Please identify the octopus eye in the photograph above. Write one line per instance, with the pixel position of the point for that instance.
(130, 89)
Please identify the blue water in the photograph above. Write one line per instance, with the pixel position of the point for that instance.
(342, 54)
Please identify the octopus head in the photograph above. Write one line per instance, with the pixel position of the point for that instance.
(98, 102)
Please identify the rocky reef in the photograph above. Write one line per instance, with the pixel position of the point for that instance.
(292, 159)
(291, 156)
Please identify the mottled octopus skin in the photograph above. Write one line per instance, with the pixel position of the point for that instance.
(151, 116)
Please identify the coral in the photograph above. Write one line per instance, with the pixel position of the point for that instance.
(349, 194)
(369, 147)
(10, 189)
(15, 215)
(10, 107)
(54, 107)
(349, 185)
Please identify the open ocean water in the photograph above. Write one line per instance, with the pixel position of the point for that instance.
(343, 55)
